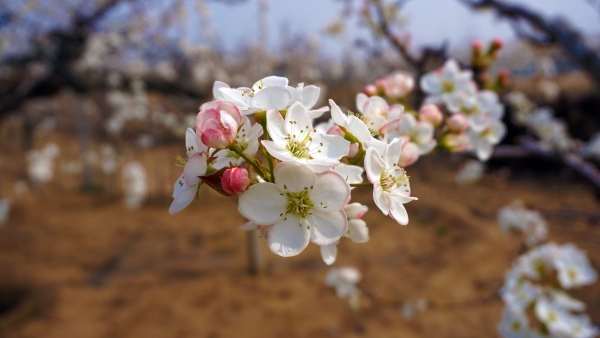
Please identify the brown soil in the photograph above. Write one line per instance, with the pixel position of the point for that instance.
(82, 265)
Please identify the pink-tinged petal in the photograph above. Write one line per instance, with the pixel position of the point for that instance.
(294, 177)
(390, 126)
(194, 168)
(262, 204)
(329, 253)
(355, 210)
(332, 147)
(374, 165)
(359, 129)
(397, 210)
(327, 228)
(276, 126)
(361, 100)
(337, 116)
(272, 98)
(359, 233)
(289, 237)
(217, 89)
(396, 111)
(330, 193)
(316, 113)
(376, 106)
(216, 138)
(203, 117)
(381, 199)
(183, 199)
(310, 96)
(297, 122)
(225, 106)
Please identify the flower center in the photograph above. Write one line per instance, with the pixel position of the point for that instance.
(299, 147)
(394, 178)
(515, 326)
(299, 203)
(447, 86)
(572, 273)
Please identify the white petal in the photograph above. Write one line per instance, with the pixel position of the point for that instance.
(381, 199)
(236, 96)
(337, 116)
(262, 204)
(183, 199)
(289, 237)
(193, 143)
(355, 210)
(272, 97)
(359, 129)
(310, 96)
(393, 152)
(217, 90)
(248, 226)
(330, 192)
(333, 146)
(276, 126)
(359, 233)
(294, 177)
(194, 168)
(274, 81)
(179, 186)
(326, 228)
(483, 150)
(351, 173)
(329, 253)
(361, 99)
(374, 165)
(431, 84)
(397, 210)
(297, 122)
(316, 113)
(278, 151)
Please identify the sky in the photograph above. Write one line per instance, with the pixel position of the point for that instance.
(431, 22)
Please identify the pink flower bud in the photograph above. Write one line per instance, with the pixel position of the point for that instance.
(409, 154)
(504, 77)
(217, 124)
(497, 44)
(431, 113)
(456, 142)
(354, 147)
(458, 123)
(235, 180)
(370, 90)
(336, 130)
(477, 46)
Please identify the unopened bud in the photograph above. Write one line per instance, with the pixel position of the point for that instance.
(431, 113)
(370, 90)
(458, 123)
(235, 180)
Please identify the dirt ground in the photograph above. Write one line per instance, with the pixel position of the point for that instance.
(82, 265)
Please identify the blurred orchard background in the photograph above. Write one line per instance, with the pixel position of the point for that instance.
(95, 98)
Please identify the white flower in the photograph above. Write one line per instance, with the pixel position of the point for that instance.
(350, 124)
(357, 231)
(552, 132)
(420, 133)
(443, 82)
(247, 139)
(187, 184)
(513, 324)
(299, 207)
(4, 210)
(530, 222)
(482, 142)
(577, 327)
(391, 187)
(554, 317)
(344, 280)
(470, 172)
(592, 148)
(378, 116)
(573, 267)
(135, 184)
(351, 173)
(480, 107)
(294, 139)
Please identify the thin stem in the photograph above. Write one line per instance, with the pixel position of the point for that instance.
(258, 170)
(364, 184)
(263, 123)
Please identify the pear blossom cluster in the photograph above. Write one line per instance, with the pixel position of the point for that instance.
(535, 293)
(517, 217)
(344, 280)
(135, 184)
(41, 163)
(293, 178)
